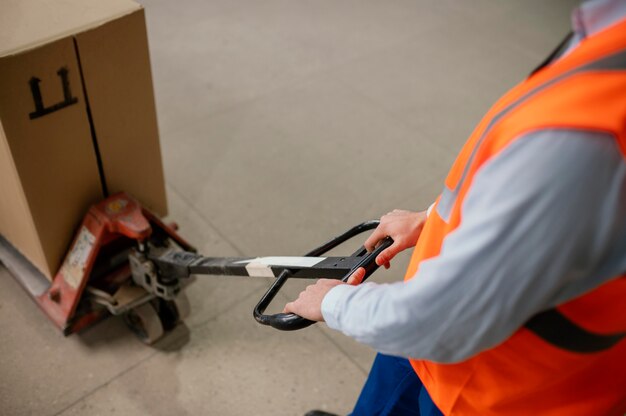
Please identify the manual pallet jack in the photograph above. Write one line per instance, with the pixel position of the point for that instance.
(125, 261)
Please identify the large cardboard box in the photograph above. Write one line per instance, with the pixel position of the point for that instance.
(77, 119)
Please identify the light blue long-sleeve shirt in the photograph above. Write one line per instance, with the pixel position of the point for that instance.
(543, 222)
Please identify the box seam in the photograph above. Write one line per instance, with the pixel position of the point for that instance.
(92, 126)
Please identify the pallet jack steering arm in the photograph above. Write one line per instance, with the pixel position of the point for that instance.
(171, 266)
(124, 260)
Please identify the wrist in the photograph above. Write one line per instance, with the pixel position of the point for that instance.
(419, 220)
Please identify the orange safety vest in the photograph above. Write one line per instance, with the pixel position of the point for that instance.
(527, 375)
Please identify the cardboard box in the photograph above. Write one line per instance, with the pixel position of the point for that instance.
(77, 119)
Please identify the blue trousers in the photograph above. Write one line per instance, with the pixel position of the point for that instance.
(393, 389)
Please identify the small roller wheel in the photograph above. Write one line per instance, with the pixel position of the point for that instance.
(174, 311)
(145, 322)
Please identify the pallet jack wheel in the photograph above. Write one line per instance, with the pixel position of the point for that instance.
(172, 312)
(145, 322)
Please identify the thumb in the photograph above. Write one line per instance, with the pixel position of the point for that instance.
(356, 277)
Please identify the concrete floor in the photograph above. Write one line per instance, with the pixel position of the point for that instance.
(282, 124)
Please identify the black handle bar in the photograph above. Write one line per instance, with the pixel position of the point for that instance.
(291, 321)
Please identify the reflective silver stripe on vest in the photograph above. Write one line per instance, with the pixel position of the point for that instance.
(616, 61)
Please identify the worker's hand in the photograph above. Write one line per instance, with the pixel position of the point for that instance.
(309, 303)
(403, 226)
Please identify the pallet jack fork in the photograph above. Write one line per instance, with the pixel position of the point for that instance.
(125, 261)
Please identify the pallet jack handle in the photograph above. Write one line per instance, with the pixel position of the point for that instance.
(291, 321)
(174, 265)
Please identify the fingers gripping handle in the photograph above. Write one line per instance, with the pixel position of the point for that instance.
(291, 321)
(369, 260)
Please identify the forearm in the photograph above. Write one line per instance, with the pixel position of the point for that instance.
(421, 318)
(381, 317)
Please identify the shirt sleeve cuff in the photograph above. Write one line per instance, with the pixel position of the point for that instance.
(430, 208)
(331, 304)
